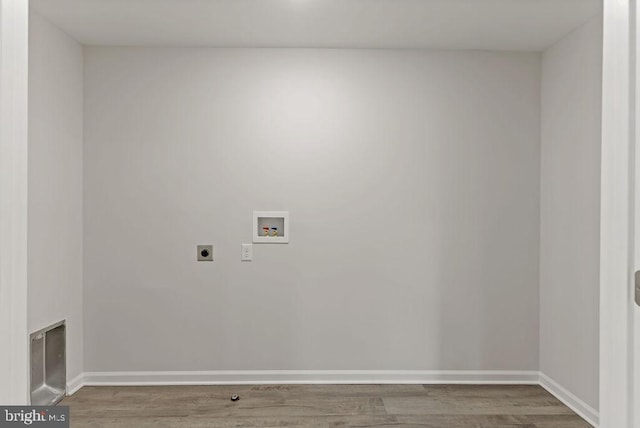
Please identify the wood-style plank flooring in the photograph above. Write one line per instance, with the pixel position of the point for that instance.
(322, 406)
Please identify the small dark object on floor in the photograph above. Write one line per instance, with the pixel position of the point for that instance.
(235, 397)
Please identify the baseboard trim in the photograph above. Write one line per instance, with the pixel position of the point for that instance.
(75, 384)
(585, 411)
(257, 377)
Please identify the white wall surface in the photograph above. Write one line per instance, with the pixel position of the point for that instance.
(412, 179)
(570, 211)
(55, 185)
(14, 373)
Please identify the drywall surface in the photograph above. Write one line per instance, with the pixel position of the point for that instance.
(55, 185)
(411, 178)
(14, 375)
(570, 211)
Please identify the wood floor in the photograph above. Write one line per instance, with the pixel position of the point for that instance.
(323, 406)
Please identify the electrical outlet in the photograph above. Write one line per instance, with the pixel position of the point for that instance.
(205, 253)
(247, 252)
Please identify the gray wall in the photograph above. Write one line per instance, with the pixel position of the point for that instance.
(412, 179)
(570, 211)
(55, 185)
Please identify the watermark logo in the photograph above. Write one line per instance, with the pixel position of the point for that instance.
(36, 416)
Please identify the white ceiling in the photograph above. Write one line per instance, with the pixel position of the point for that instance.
(529, 25)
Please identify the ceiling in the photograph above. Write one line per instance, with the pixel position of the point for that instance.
(523, 25)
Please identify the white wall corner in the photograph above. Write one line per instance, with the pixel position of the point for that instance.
(585, 411)
(14, 372)
(75, 384)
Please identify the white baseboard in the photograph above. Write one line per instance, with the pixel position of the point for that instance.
(585, 411)
(256, 377)
(75, 384)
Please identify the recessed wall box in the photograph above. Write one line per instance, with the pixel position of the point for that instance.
(271, 227)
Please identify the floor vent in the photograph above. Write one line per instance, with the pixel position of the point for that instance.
(48, 365)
